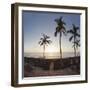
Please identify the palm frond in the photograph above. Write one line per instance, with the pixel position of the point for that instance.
(57, 28)
(77, 34)
(57, 21)
(74, 27)
(77, 28)
(64, 32)
(70, 31)
(49, 41)
(43, 35)
(41, 38)
(47, 37)
(39, 42)
(77, 42)
(73, 45)
(70, 38)
(60, 19)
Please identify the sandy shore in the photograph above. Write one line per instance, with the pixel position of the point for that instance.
(34, 67)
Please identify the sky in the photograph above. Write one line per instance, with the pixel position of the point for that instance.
(37, 23)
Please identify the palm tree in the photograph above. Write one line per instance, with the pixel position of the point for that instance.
(60, 29)
(43, 42)
(74, 37)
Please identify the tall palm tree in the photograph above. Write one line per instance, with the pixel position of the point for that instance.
(74, 36)
(60, 28)
(43, 42)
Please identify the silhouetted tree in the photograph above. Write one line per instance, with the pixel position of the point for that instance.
(74, 37)
(43, 42)
(60, 28)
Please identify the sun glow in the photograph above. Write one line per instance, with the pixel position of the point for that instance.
(51, 49)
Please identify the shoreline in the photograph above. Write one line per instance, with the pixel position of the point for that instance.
(52, 58)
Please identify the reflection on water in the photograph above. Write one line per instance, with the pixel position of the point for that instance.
(50, 55)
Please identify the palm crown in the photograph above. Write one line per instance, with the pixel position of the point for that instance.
(44, 40)
(60, 26)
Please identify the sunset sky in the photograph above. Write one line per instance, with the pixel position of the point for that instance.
(36, 23)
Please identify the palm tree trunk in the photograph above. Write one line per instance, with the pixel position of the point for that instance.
(74, 48)
(75, 51)
(44, 51)
(60, 46)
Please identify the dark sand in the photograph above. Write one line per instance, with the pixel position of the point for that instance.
(35, 67)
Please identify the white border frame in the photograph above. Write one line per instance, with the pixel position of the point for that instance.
(33, 80)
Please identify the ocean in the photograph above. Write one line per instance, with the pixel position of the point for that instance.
(50, 55)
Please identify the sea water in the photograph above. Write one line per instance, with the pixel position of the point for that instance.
(50, 55)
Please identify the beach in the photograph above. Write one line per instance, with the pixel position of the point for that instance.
(35, 67)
